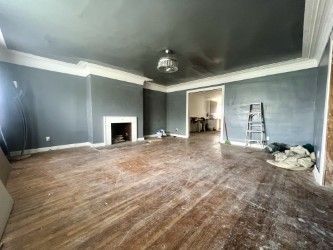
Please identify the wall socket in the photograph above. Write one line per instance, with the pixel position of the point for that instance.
(176, 129)
(267, 138)
(47, 138)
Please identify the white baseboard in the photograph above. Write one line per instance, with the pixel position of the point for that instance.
(176, 135)
(74, 145)
(96, 145)
(151, 136)
(318, 176)
(242, 144)
(180, 136)
(45, 149)
(102, 144)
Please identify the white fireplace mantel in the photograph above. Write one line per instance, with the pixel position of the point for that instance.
(108, 120)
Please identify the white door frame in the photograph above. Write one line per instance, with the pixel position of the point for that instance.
(320, 174)
(222, 109)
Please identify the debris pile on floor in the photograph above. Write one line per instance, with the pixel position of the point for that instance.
(118, 139)
(293, 158)
(160, 133)
(275, 147)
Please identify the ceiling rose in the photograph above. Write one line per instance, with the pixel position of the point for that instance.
(168, 62)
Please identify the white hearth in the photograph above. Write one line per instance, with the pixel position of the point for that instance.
(109, 120)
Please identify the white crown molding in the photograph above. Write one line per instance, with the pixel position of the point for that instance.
(255, 72)
(318, 23)
(155, 86)
(2, 41)
(84, 69)
(33, 61)
(80, 69)
(108, 72)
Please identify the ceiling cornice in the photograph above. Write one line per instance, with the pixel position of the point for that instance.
(80, 69)
(33, 61)
(255, 72)
(155, 86)
(84, 69)
(108, 72)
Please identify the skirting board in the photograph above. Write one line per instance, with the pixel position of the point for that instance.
(96, 145)
(242, 144)
(180, 136)
(175, 135)
(85, 144)
(74, 145)
(45, 149)
(151, 136)
(318, 176)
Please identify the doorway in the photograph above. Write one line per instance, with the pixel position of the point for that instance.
(205, 111)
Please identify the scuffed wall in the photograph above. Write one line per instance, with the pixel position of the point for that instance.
(154, 111)
(288, 106)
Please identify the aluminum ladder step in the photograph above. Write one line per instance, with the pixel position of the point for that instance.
(255, 131)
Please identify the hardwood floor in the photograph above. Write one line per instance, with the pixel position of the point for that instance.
(173, 193)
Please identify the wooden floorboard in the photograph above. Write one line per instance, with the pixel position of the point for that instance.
(164, 194)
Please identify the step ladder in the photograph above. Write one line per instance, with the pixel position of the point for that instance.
(255, 132)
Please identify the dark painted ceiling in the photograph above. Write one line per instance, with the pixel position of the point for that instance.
(209, 36)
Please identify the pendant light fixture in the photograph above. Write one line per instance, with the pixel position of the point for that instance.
(168, 62)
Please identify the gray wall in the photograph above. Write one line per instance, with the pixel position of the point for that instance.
(288, 106)
(320, 96)
(67, 108)
(70, 109)
(89, 110)
(154, 110)
(55, 105)
(111, 97)
(176, 112)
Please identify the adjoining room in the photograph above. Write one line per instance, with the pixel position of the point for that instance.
(166, 124)
(205, 111)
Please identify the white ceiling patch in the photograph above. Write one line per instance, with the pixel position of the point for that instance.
(318, 23)
(2, 41)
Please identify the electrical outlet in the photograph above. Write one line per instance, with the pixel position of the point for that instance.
(15, 84)
(47, 138)
(176, 129)
(267, 138)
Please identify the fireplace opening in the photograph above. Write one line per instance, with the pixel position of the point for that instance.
(121, 132)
